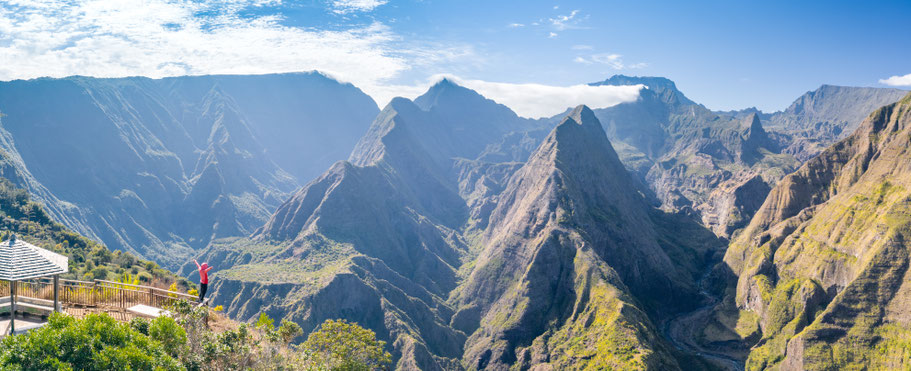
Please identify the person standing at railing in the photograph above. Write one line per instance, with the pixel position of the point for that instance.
(203, 278)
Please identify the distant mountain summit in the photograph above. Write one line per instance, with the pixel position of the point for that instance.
(661, 86)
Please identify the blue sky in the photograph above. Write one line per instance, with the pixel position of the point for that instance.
(724, 54)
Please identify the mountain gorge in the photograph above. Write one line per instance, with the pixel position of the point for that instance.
(451, 241)
(160, 167)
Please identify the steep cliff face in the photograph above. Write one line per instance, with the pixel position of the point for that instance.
(572, 263)
(160, 167)
(824, 263)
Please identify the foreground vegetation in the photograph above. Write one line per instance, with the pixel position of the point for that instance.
(184, 342)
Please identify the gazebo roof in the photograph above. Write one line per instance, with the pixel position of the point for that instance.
(21, 260)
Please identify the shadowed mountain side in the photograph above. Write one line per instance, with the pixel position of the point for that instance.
(160, 167)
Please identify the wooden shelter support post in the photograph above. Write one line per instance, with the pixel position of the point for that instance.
(56, 293)
(13, 291)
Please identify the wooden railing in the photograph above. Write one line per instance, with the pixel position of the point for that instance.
(97, 293)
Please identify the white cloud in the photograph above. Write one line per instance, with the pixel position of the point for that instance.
(897, 80)
(582, 47)
(158, 38)
(349, 6)
(563, 22)
(537, 100)
(516, 25)
(552, 35)
(582, 60)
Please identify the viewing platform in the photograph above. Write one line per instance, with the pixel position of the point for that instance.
(31, 289)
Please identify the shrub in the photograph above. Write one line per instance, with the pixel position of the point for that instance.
(97, 342)
(166, 331)
(344, 345)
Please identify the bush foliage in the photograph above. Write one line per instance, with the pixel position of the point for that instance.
(184, 342)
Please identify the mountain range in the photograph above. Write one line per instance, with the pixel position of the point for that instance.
(468, 237)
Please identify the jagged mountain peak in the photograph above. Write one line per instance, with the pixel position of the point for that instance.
(753, 124)
(582, 116)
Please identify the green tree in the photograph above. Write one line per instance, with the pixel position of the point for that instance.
(343, 345)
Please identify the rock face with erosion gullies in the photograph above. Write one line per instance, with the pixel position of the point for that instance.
(823, 266)
(461, 252)
(160, 167)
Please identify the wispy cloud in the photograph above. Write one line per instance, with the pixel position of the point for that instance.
(350, 6)
(552, 35)
(897, 80)
(582, 60)
(614, 61)
(563, 22)
(582, 47)
(516, 25)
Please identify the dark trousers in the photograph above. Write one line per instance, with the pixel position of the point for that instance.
(202, 291)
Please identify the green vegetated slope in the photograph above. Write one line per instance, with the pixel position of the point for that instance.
(88, 259)
(447, 243)
(824, 264)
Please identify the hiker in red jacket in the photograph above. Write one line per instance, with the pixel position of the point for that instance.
(203, 278)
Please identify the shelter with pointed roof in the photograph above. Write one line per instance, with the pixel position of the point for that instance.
(20, 260)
